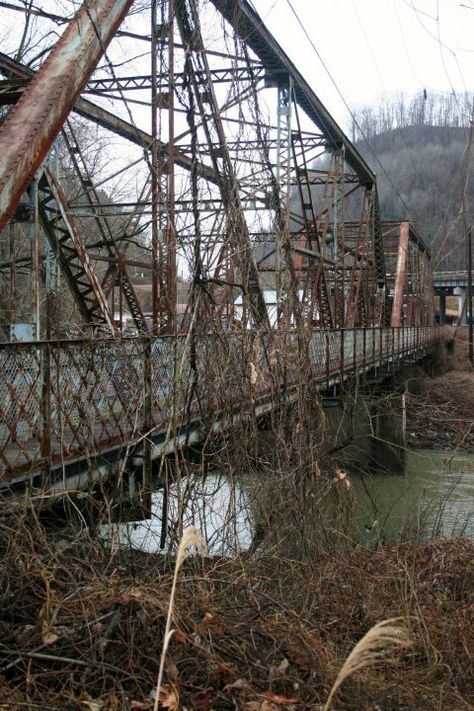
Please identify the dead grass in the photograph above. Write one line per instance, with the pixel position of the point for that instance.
(86, 631)
(441, 408)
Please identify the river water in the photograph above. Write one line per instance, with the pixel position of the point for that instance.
(435, 498)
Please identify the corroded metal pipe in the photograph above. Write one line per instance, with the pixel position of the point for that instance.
(32, 125)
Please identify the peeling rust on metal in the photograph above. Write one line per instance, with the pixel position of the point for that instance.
(31, 127)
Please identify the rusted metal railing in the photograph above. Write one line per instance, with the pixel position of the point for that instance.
(66, 400)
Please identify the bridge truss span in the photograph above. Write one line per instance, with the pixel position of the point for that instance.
(230, 170)
(177, 137)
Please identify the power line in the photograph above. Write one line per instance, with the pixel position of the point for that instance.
(437, 38)
(356, 123)
(369, 47)
(405, 43)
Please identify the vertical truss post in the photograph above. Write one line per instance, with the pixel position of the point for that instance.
(339, 239)
(162, 175)
(155, 286)
(400, 276)
(35, 259)
(170, 183)
(381, 313)
(283, 175)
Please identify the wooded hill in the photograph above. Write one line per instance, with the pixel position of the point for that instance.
(427, 166)
(425, 147)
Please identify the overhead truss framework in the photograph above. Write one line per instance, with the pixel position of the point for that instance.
(241, 177)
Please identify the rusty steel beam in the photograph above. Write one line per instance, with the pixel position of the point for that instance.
(400, 276)
(251, 29)
(111, 122)
(68, 244)
(33, 124)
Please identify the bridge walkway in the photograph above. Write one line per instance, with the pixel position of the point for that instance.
(65, 404)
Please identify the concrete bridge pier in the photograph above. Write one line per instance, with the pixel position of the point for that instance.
(388, 441)
(461, 293)
(442, 308)
(368, 432)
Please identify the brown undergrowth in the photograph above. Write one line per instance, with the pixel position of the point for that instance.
(441, 407)
(83, 628)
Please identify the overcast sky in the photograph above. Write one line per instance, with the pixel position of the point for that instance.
(372, 47)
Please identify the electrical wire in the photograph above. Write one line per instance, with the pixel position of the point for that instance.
(356, 123)
(405, 43)
(369, 47)
(437, 38)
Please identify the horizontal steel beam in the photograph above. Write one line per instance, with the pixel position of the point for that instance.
(32, 125)
(251, 28)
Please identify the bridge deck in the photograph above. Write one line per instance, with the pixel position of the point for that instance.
(66, 402)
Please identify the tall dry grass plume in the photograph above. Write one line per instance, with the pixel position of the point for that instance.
(377, 645)
(191, 543)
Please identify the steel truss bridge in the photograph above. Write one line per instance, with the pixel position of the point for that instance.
(217, 158)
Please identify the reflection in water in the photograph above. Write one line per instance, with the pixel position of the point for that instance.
(216, 507)
(435, 498)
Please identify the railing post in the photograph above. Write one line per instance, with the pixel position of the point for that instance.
(393, 347)
(373, 347)
(341, 357)
(147, 426)
(326, 333)
(46, 406)
(364, 359)
(342, 335)
(354, 349)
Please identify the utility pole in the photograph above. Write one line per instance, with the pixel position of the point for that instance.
(469, 295)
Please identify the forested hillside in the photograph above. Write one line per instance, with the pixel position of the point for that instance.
(429, 165)
(425, 163)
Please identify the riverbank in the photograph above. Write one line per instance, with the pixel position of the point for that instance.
(83, 628)
(440, 407)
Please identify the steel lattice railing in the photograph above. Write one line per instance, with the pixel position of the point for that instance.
(71, 399)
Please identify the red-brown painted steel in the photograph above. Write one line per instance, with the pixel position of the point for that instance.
(401, 274)
(31, 127)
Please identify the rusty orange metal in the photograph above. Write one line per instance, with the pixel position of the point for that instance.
(31, 127)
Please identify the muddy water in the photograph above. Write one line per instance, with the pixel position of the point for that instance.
(435, 498)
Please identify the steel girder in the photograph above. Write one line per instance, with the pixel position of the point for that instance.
(31, 127)
(68, 245)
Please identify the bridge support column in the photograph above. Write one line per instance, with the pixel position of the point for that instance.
(461, 293)
(442, 308)
(388, 450)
